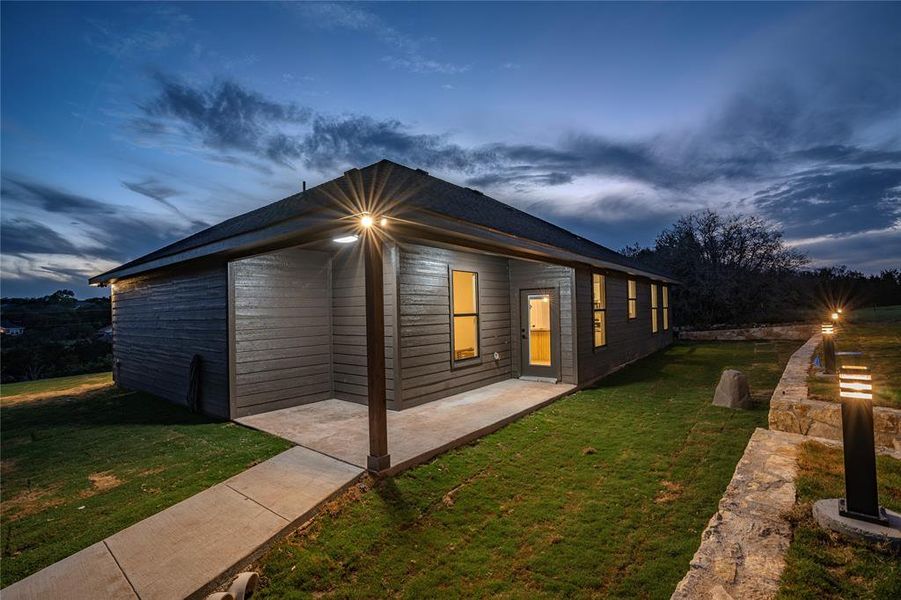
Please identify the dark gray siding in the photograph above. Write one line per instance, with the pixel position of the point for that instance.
(160, 321)
(526, 275)
(349, 324)
(282, 337)
(424, 322)
(627, 340)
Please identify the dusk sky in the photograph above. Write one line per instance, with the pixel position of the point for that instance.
(128, 126)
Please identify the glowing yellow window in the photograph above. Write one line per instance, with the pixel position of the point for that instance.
(633, 299)
(599, 309)
(465, 309)
(654, 327)
(665, 307)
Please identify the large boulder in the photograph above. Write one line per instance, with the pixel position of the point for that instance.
(732, 391)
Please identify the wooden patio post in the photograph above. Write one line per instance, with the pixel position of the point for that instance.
(378, 460)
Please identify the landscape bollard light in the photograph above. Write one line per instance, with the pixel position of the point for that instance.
(828, 330)
(861, 499)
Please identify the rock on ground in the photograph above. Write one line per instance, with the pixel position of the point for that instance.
(732, 391)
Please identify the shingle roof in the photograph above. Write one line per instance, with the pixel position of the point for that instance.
(402, 189)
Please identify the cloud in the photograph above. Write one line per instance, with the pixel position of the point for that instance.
(870, 251)
(160, 192)
(23, 236)
(94, 227)
(225, 115)
(832, 202)
(409, 55)
(160, 27)
(769, 150)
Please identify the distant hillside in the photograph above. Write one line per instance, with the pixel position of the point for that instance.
(61, 336)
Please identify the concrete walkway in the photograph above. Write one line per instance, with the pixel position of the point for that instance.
(341, 429)
(180, 551)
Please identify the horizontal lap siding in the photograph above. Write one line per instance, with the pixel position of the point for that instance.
(161, 321)
(525, 275)
(282, 334)
(627, 340)
(349, 324)
(424, 322)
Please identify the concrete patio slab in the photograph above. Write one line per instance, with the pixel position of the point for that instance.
(341, 429)
(86, 575)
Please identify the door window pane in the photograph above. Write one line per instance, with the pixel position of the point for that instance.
(654, 327)
(540, 330)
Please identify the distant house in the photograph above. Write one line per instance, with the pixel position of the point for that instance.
(472, 292)
(7, 328)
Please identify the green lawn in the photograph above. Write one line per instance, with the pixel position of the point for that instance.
(56, 384)
(78, 469)
(876, 333)
(822, 566)
(604, 493)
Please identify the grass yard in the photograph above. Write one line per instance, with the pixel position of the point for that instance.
(604, 493)
(820, 565)
(25, 390)
(77, 469)
(876, 333)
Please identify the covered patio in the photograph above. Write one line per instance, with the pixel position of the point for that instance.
(340, 429)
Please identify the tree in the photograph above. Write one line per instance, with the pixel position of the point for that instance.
(732, 269)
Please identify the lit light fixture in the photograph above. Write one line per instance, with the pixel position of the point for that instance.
(839, 311)
(858, 384)
(347, 239)
(827, 329)
(835, 316)
(383, 222)
(367, 221)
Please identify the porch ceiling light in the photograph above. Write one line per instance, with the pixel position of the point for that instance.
(347, 239)
(835, 316)
(367, 221)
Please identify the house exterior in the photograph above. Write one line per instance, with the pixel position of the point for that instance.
(303, 300)
(7, 328)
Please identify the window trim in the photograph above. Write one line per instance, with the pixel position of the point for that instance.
(655, 309)
(631, 301)
(477, 359)
(595, 310)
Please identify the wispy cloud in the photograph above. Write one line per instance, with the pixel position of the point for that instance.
(406, 50)
(156, 190)
(157, 27)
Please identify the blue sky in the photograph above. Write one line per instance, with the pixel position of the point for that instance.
(129, 126)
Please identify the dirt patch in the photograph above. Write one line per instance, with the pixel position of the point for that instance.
(30, 502)
(78, 390)
(101, 482)
(671, 491)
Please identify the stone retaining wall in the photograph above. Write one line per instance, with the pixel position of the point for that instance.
(791, 411)
(769, 332)
(742, 552)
